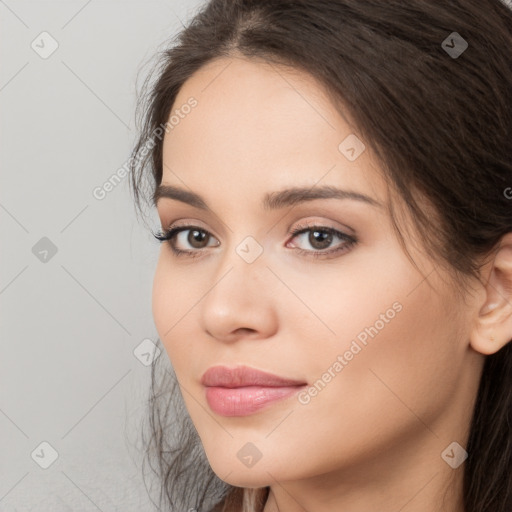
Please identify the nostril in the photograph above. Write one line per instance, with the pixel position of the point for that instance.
(244, 330)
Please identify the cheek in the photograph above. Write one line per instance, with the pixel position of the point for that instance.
(390, 368)
(398, 339)
(165, 300)
(175, 299)
(358, 299)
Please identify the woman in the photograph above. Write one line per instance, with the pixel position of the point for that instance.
(333, 181)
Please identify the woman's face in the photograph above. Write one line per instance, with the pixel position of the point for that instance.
(382, 349)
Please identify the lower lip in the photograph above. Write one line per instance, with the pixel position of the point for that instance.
(245, 400)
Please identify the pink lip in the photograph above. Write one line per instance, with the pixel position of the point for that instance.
(243, 390)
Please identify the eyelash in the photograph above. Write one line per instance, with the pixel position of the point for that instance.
(169, 235)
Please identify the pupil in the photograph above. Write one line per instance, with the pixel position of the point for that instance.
(324, 238)
(324, 241)
(197, 236)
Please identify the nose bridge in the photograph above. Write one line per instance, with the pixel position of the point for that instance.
(242, 267)
(238, 296)
(245, 239)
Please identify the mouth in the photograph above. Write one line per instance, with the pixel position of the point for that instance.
(243, 390)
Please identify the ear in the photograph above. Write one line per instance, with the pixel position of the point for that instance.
(493, 324)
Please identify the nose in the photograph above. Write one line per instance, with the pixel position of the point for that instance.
(239, 302)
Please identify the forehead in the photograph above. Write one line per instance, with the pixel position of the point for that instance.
(262, 125)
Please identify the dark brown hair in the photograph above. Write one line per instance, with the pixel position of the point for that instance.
(441, 127)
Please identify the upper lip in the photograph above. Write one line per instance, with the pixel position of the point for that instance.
(222, 376)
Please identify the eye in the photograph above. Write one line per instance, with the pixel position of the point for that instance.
(320, 238)
(196, 237)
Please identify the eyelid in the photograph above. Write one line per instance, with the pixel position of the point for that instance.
(188, 223)
(348, 240)
(185, 220)
(316, 222)
(303, 223)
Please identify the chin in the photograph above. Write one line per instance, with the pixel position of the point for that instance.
(233, 472)
(245, 478)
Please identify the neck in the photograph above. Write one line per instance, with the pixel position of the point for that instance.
(415, 478)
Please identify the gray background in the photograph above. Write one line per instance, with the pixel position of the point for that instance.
(70, 321)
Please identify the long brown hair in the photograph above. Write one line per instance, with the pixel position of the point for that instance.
(441, 127)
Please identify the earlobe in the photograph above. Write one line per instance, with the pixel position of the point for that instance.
(493, 323)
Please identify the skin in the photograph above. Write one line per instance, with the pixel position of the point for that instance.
(372, 438)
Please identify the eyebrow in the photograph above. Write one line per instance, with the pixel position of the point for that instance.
(271, 200)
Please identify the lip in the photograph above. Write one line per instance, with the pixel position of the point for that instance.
(222, 376)
(243, 390)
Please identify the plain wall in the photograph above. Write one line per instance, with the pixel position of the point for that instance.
(76, 271)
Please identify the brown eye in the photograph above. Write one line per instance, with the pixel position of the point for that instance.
(321, 238)
(320, 242)
(196, 238)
